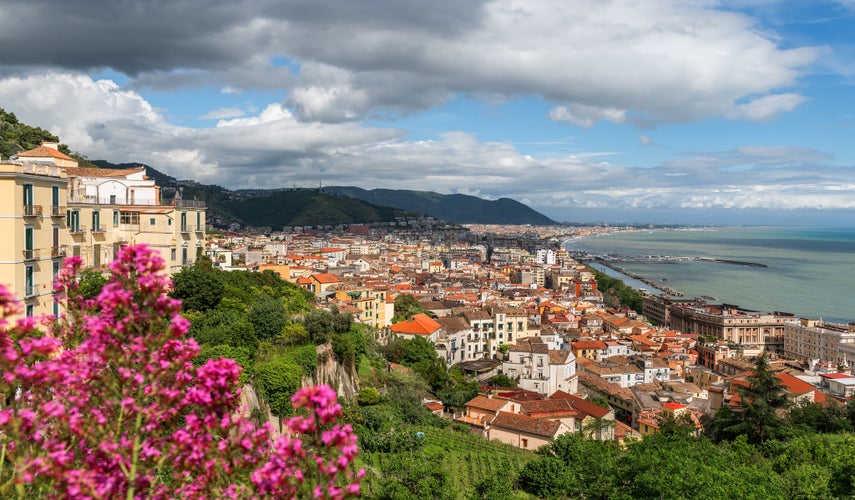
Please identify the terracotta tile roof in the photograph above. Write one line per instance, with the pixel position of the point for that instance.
(453, 325)
(419, 324)
(589, 344)
(557, 357)
(434, 406)
(529, 425)
(794, 385)
(326, 278)
(582, 405)
(44, 151)
(673, 406)
(491, 405)
(102, 172)
(547, 407)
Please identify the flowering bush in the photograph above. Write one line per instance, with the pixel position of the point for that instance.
(104, 402)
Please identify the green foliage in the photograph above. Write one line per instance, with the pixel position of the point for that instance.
(829, 417)
(306, 357)
(457, 396)
(406, 306)
(198, 287)
(546, 477)
(268, 316)
(16, 137)
(415, 476)
(322, 324)
(91, 282)
(242, 355)
(277, 381)
(368, 396)
(229, 327)
(757, 414)
(502, 380)
(614, 290)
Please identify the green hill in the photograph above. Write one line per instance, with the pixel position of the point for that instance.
(456, 208)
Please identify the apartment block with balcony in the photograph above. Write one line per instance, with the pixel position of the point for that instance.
(32, 221)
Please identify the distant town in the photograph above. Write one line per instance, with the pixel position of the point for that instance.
(494, 300)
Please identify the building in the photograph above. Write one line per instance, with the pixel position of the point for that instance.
(810, 341)
(53, 209)
(35, 239)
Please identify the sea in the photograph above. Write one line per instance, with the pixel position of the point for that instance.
(810, 271)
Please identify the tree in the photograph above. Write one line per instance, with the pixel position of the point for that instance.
(278, 380)
(268, 316)
(198, 287)
(109, 404)
(91, 283)
(756, 415)
(406, 305)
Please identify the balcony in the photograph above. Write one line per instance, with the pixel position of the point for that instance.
(32, 211)
(77, 229)
(57, 211)
(186, 228)
(99, 229)
(32, 254)
(59, 251)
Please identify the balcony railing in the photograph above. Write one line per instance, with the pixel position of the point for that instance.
(79, 229)
(57, 211)
(59, 251)
(98, 229)
(186, 228)
(189, 203)
(32, 210)
(31, 254)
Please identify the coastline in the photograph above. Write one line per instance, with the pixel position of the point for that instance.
(797, 269)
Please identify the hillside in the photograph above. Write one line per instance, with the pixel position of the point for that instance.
(456, 208)
(298, 207)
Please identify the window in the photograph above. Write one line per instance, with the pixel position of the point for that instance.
(75, 250)
(184, 256)
(96, 220)
(183, 221)
(54, 242)
(30, 310)
(28, 195)
(152, 221)
(115, 217)
(54, 196)
(96, 255)
(129, 218)
(112, 199)
(172, 254)
(29, 234)
(29, 284)
(198, 221)
(524, 443)
(168, 221)
(72, 220)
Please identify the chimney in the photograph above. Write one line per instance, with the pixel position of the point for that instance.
(52, 145)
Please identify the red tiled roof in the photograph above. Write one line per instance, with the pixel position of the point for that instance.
(102, 172)
(794, 385)
(326, 278)
(434, 406)
(43, 151)
(582, 405)
(419, 324)
(674, 406)
(529, 425)
(491, 405)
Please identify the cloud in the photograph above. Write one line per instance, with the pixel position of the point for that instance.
(651, 62)
(220, 113)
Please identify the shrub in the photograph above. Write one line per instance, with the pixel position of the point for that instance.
(107, 403)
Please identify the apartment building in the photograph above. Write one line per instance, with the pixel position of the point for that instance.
(814, 340)
(52, 209)
(32, 222)
(763, 331)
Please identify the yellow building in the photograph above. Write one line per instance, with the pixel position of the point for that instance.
(50, 209)
(32, 222)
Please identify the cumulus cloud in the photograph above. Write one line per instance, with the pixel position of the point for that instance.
(220, 113)
(660, 61)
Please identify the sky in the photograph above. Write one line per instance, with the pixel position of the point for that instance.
(647, 111)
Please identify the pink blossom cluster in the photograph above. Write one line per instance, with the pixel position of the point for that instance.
(104, 402)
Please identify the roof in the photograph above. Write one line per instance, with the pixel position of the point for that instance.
(794, 385)
(419, 324)
(326, 278)
(491, 405)
(102, 172)
(44, 151)
(582, 405)
(547, 407)
(434, 406)
(529, 425)
(673, 406)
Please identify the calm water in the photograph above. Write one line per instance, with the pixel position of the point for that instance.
(811, 271)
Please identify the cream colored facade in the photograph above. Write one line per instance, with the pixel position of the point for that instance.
(32, 222)
(51, 209)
